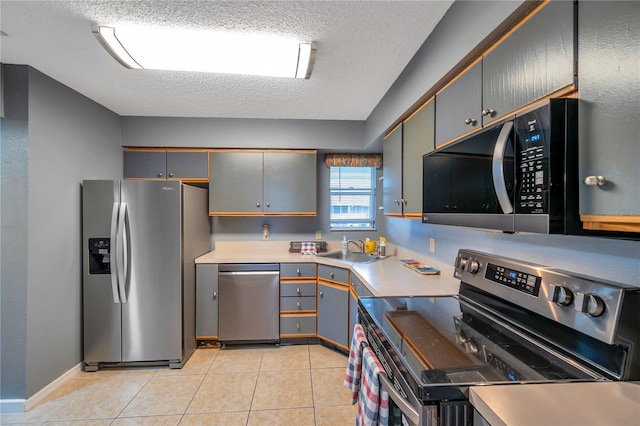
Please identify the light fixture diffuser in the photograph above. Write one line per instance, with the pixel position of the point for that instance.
(207, 51)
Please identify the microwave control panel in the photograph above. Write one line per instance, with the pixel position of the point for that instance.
(534, 168)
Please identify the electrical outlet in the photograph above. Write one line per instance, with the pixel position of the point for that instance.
(318, 234)
(432, 245)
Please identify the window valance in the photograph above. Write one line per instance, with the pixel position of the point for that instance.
(353, 160)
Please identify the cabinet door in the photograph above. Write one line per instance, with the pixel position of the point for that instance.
(609, 76)
(417, 140)
(207, 301)
(145, 164)
(458, 106)
(235, 185)
(188, 165)
(333, 314)
(534, 61)
(392, 173)
(290, 183)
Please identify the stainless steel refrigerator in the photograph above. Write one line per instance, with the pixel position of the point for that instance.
(140, 239)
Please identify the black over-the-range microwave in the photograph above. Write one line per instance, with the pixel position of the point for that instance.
(520, 175)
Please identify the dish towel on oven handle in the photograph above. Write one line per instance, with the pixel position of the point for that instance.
(373, 400)
(354, 366)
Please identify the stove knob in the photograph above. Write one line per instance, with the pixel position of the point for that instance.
(561, 295)
(473, 267)
(589, 304)
(462, 262)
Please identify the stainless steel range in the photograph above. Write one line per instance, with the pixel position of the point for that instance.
(512, 322)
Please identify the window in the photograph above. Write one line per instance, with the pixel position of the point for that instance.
(353, 198)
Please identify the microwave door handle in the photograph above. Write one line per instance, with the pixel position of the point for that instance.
(409, 412)
(497, 168)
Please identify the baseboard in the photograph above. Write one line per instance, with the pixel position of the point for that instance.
(51, 387)
(10, 406)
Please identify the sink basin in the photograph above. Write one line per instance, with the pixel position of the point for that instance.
(352, 256)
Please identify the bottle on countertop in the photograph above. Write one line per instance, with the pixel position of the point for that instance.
(344, 245)
(382, 247)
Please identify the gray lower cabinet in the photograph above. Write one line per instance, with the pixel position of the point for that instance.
(534, 61)
(333, 314)
(152, 163)
(257, 183)
(298, 303)
(207, 301)
(609, 79)
(459, 105)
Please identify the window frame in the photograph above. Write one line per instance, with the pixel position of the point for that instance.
(343, 224)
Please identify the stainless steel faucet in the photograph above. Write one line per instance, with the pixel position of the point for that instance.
(358, 243)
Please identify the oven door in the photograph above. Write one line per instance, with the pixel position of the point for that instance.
(403, 412)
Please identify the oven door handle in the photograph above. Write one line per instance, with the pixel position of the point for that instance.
(410, 412)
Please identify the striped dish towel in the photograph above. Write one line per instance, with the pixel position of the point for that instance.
(373, 403)
(354, 366)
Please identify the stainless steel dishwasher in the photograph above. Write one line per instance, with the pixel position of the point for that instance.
(249, 302)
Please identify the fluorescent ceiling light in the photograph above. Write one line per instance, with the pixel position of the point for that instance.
(207, 51)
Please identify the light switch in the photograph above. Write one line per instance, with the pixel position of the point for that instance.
(432, 245)
(318, 234)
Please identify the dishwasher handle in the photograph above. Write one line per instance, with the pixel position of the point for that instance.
(250, 273)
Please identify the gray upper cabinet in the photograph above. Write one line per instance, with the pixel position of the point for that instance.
(459, 105)
(145, 164)
(256, 183)
(535, 60)
(290, 183)
(609, 80)
(417, 140)
(392, 173)
(235, 185)
(188, 165)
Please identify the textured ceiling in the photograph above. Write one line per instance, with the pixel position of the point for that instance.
(362, 48)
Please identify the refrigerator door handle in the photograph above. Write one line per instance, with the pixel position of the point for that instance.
(114, 255)
(123, 264)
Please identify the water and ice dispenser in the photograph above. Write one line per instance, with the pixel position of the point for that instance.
(99, 256)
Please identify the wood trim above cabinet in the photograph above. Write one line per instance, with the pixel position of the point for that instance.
(611, 223)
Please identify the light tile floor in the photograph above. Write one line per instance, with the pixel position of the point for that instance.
(257, 385)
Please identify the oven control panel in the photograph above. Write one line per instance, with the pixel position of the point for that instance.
(585, 304)
(526, 283)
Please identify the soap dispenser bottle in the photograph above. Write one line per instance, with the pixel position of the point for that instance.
(382, 247)
(344, 245)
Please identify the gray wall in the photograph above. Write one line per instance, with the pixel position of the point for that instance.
(13, 235)
(70, 138)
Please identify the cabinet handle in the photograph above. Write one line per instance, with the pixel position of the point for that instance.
(595, 180)
(298, 325)
(298, 272)
(298, 304)
(488, 111)
(159, 174)
(268, 205)
(404, 201)
(170, 174)
(471, 121)
(298, 290)
(331, 275)
(321, 294)
(215, 294)
(257, 204)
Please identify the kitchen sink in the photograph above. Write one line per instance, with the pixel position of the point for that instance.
(352, 256)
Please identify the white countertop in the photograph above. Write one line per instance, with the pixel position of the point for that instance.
(386, 277)
(580, 404)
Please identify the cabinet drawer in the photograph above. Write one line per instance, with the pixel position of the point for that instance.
(297, 304)
(332, 273)
(298, 289)
(292, 325)
(297, 270)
